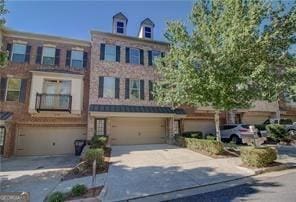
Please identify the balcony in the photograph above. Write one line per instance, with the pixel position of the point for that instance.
(53, 102)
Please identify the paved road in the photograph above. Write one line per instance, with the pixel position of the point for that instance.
(280, 188)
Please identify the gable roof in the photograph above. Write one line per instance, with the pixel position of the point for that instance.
(120, 16)
(147, 21)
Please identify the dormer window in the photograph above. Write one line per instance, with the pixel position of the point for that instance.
(120, 27)
(148, 32)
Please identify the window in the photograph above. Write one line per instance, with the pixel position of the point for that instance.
(110, 52)
(2, 136)
(77, 59)
(155, 55)
(13, 89)
(109, 87)
(48, 56)
(134, 56)
(120, 27)
(148, 33)
(134, 89)
(18, 53)
(100, 126)
(60, 87)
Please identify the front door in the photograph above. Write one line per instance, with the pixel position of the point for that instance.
(2, 139)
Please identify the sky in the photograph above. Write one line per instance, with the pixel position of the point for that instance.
(76, 18)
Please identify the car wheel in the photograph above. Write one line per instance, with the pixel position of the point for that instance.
(234, 139)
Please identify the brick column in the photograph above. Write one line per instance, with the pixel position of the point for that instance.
(10, 135)
(90, 127)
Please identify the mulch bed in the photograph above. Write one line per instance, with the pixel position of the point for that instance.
(93, 192)
(74, 173)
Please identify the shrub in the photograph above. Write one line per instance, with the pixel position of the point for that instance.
(209, 146)
(98, 141)
(211, 136)
(56, 197)
(258, 157)
(180, 141)
(260, 127)
(277, 132)
(79, 190)
(93, 154)
(193, 134)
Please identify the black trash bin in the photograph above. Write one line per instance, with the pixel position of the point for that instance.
(79, 144)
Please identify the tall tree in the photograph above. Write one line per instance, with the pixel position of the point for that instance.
(231, 58)
(3, 11)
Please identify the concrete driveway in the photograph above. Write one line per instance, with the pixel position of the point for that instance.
(143, 170)
(37, 175)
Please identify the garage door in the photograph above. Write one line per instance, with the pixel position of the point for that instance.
(125, 131)
(48, 141)
(254, 119)
(205, 126)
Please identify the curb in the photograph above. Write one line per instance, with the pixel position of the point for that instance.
(275, 168)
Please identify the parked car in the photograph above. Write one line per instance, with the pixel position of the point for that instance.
(233, 132)
(287, 123)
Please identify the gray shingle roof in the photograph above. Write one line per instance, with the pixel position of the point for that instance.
(134, 109)
(5, 115)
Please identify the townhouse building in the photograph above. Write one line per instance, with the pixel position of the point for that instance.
(43, 93)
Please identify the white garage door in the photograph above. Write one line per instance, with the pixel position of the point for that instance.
(254, 119)
(48, 140)
(205, 126)
(125, 131)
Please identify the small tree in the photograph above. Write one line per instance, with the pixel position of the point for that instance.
(228, 60)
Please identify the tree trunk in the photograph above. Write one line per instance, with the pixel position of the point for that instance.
(217, 124)
(278, 112)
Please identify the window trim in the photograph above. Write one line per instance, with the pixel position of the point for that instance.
(130, 56)
(147, 32)
(113, 46)
(55, 49)
(105, 86)
(131, 88)
(12, 53)
(71, 59)
(105, 126)
(124, 26)
(6, 90)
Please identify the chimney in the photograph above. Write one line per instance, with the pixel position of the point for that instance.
(119, 24)
(146, 29)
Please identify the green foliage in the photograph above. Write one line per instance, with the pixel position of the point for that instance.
(211, 136)
(93, 154)
(260, 127)
(277, 132)
(258, 157)
(194, 134)
(56, 197)
(209, 146)
(79, 190)
(98, 141)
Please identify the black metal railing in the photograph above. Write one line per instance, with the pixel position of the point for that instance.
(53, 102)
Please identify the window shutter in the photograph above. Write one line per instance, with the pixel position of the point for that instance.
(102, 51)
(151, 90)
(28, 53)
(9, 49)
(127, 55)
(39, 55)
(150, 58)
(68, 58)
(85, 57)
(3, 84)
(117, 53)
(127, 88)
(141, 57)
(117, 87)
(57, 57)
(23, 90)
(101, 86)
(142, 93)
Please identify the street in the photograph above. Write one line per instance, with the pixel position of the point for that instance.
(278, 188)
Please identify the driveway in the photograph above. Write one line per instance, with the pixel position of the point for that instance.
(143, 170)
(37, 175)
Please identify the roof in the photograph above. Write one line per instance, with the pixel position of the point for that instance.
(134, 109)
(5, 115)
(120, 16)
(147, 21)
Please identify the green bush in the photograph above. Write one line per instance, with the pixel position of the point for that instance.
(209, 146)
(211, 136)
(79, 190)
(193, 134)
(98, 141)
(258, 157)
(277, 132)
(93, 154)
(260, 126)
(56, 197)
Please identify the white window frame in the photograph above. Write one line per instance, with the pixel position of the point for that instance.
(144, 31)
(71, 63)
(124, 26)
(7, 87)
(111, 46)
(154, 51)
(105, 88)
(12, 51)
(130, 55)
(43, 48)
(131, 89)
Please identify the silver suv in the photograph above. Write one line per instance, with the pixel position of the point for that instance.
(232, 132)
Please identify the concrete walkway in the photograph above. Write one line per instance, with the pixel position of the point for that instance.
(143, 170)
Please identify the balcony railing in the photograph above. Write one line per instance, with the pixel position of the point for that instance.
(53, 102)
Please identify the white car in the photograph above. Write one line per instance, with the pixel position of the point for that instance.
(233, 132)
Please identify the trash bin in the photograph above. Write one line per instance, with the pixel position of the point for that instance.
(79, 144)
